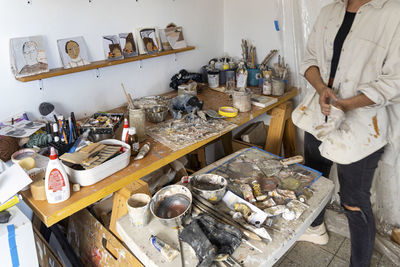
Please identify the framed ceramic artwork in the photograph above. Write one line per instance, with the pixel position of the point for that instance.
(73, 52)
(112, 48)
(128, 45)
(148, 40)
(28, 56)
(174, 36)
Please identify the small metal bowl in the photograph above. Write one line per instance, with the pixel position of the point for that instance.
(156, 113)
(209, 186)
(171, 205)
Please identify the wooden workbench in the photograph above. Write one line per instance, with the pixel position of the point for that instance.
(161, 155)
(137, 238)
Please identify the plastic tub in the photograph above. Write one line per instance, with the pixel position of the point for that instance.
(98, 173)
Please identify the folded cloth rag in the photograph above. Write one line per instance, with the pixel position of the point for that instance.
(210, 239)
(335, 118)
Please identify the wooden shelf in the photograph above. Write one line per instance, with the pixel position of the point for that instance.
(99, 64)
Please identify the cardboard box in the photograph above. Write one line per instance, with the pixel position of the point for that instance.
(17, 242)
(238, 144)
(46, 255)
(95, 245)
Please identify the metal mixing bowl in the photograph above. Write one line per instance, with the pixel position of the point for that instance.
(171, 205)
(209, 186)
(156, 113)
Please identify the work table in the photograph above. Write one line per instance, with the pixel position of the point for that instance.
(161, 155)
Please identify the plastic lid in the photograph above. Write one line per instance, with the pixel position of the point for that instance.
(126, 124)
(53, 154)
(132, 131)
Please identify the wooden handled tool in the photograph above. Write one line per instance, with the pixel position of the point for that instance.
(217, 215)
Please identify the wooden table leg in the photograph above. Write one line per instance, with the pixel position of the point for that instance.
(226, 140)
(119, 201)
(277, 126)
(289, 139)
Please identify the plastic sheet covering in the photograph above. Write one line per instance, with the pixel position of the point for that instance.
(296, 19)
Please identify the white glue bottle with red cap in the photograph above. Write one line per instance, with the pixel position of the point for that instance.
(125, 131)
(56, 180)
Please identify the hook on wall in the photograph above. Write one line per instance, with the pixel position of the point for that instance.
(41, 85)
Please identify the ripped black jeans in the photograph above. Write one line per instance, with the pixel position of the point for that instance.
(355, 181)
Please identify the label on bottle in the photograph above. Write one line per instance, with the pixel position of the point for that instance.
(241, 80)
(56, 180)
(267, 88)
(135, 146)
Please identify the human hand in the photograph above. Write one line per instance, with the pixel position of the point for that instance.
(325, 98)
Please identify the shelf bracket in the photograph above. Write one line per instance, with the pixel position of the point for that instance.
(97, 73)
(140, 64)
(40, 84)
(175, 57)
(29, 2)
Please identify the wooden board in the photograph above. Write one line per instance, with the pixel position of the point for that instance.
(120, 197)
(95, 245)
(99, 64)
(158, 157)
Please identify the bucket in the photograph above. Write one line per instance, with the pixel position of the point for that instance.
(213, 78)
(242, 100)
(137, 119)
(252, 79)
(138, 209)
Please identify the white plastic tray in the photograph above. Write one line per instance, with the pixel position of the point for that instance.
(98, 173)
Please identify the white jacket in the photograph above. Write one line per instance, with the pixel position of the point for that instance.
(369, 64)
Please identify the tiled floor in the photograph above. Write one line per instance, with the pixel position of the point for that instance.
(335, 254)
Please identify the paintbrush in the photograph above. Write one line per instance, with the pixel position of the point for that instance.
(130, 103)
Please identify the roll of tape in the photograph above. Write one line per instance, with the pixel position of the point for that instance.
(229, 112)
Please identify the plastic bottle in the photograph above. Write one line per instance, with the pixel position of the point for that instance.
(133, 141)
(56, 180)
(124, 136)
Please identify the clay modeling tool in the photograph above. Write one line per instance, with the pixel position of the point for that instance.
(292, 160)
(227, 220)
(130, 103)
(105, 154)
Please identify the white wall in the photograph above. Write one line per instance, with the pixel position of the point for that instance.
(252, 20)
(82, 92)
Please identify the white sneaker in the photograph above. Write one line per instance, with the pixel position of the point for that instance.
(316, 235)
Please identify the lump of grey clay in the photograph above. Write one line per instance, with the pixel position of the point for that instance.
(4, 216)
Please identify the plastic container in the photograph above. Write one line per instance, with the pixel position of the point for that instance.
(98, 173)
(56, 180)
(138, 209)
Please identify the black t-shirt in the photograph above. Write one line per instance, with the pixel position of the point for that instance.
(339, 40)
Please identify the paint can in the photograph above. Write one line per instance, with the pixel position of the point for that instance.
(242, 100)
(253, 77)
(278, 87)
(137, 119)
(213, 78)
(138, 209)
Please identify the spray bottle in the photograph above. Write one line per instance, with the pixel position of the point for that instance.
(56, 180)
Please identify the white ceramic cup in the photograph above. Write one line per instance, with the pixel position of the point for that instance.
(138, 208)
